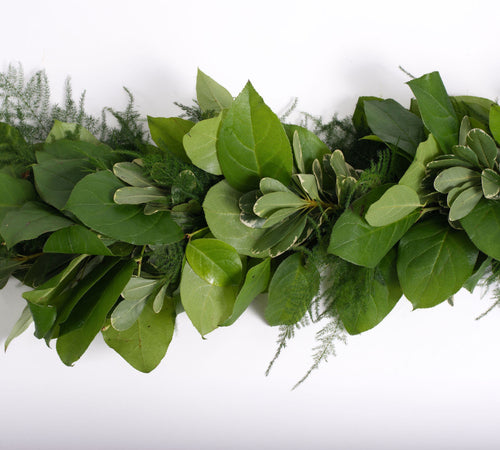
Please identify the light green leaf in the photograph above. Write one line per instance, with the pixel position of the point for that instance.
(465, 127)
(436, 109)
(168, 133)
(14, 192)
(291, 291)
(200, 145)
(30, 221)
(269, 203)
(297, 152)
(92, 202)
(131, 195)
(160, 298)
(215, 262)
(268, 185)
(222, 214)
(311, 146)
(483, 146)
(63, 130)
(278, 216)
(466, 154)
(252, 143)
(482, 225)
(308, 185)
(131, 173)
(490, 182)
(126, 313)
(211, 95)
(139, 288)
(338, 164)
(206, 305)
(256, 282)
(396, 203)
(449, 160)
(75, 240)
(21, 325)
(494, 122)
(89, 315)
(465, 202)
(454, 177)
(434, 261)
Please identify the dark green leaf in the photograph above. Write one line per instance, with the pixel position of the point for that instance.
(75, 240)
(168, 133)
(494, 122)
(14, 192)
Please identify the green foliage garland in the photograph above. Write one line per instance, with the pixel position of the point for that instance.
(117, 230)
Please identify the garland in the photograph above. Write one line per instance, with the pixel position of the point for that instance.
(119, 233)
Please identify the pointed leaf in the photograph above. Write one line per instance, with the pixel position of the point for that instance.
(200, 145)
(22, 324)
(131, 173)
(211, 95)
(126, 313)
(62, 130)
(311, 146)
(168, 133)
(75, 240)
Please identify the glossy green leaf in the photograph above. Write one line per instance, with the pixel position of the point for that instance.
(291, 291)
(483, 146)
(356, 241)
(269, 203)
(14, 192)
(30, 221)
(92, 202)
(131, 195)
(21, 325)
(200, 144)
(75, 240)
(311, 146)
(494, 122)
(145, 343)
(482, 225)
(394, 124)
(131, 173)
(396, 203)
(168, 133)
(454, 177)
(62, 130)
(211, 95)
(465, 202)
(222, 213)
(436, 109)
(434, 261)
(490, 182)
(252, 143)
(364, 297)
(206, 305)
(256, 282)
(215, 262)
(89, 315)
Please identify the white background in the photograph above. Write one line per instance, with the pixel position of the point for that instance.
(424, 379)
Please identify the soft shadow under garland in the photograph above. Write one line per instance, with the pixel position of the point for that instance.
(117, 229)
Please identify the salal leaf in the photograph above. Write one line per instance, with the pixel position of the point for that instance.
(396, 203)
(222, 213)
(436, 109)
(274, 201)
(215, 262)
(92, 202)
(356, 241)
(21, 325)
(30, 221)
(306, 146)
(465, 202)
(394, 124)
(200, 145)
(252, 143)
(131, 195)
(482, 225)
(168, 133)
(494, 122)
(14, 193)
(131, 173)
(211, 95)
(483, 146)
(206, 305)
(89, 315)
(454, 177)
(62, 130)
(145, 343)
(434, 261)
(75, 240)
(291, 290)
(256, 282)
(365, 296)
(490, 182)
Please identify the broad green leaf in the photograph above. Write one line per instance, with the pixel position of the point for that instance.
(256, 282)
(89, 315)
(252, 143)
(395, 204)
(436, 109)
(222, 214)
(63, 130)
(145, 343)
(21, 325)
(356, 241)
(394, 124)
(168, 133)
(482, 225)
(56, 178)
(211, 95)
(100, 156)
(75, 240)
(30, 221)
(131, 195)
(465, 202)
(364, 297)
(311, 146)
(483, 146)
(291, 290)
(454, 177)
(14, 192)
(490, 182)
(92, 202)
(126, 313)
(200, 145)
(215, 262)
(269, 203)
(494, 122)
(131, 173)
(359, 116)
(434, 261)
(206, 305)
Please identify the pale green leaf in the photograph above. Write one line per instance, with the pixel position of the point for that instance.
(131, 195)
(465, 202)
(21, 325)
(454, 177)
(490, 182)
(211, 95)
(131, 173)
(484, 147)
(200, 144)
(269, 203)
